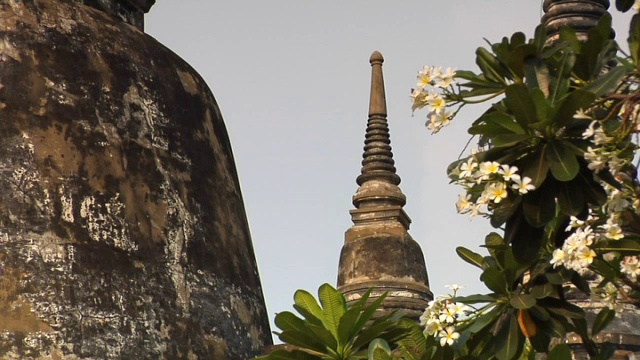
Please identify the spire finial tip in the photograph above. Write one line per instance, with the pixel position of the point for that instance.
(376, 57)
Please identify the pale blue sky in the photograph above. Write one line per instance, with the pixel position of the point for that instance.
(292, 81)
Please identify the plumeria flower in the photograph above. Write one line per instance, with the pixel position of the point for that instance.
(488, 168)
(600, 137)
(630, 266)
(447, 316)
(459, 309)
(612, 229)
(432, 327)
(496, 192)
(436, 102)
(446, 79)
(468, 168)
(558, 258)
(616, 201)
(596, 161)
(580, 114)
(590, 131)
(454, 287)
(585, 256)
(438, 120)
(448, 336)
(523, 185)
(425, 77)
(509, 173)
(463, 205)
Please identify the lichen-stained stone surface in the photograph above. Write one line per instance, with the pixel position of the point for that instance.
(122, 229)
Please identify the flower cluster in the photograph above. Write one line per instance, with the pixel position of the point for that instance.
(440, 317)
(630, 266)
(432, 89)
(486, 184)
(576, 253)
(604, 153)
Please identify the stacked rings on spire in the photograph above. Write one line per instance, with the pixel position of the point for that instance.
(579, 15)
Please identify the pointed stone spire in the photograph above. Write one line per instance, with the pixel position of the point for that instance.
(378, 252)
(579, 15)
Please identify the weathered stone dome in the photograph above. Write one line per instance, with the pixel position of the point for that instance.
(123, 233)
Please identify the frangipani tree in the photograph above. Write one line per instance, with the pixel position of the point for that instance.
(554, 173)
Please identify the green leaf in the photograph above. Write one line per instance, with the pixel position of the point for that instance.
(524, 238)
(302, 340)
(519, 102)
(288, 321)
(571, 198)
(346, 328)
(333, 307)
(624, 5)
(505, 210)
(522, 301)
(368, 311)
(490, 66)
(304, 300)
(617, 245)
(324, 336)
(605, 316)
(563, 309)
(469, 256)
(494, 280)
(539, 313)
(608, 82)
(560, 352)
(559, 277)
(536, 167)
(492, 241)
(507, 140)
(560, 86)
(484, 320)
(379, 350)
(562, 161)
(541, 291)
(537, 74)
(495, 123)
(543, 108)
(508, 340)
(474, 299)
(539, 207)
(576, 100)
(289, 355)
(634, 37)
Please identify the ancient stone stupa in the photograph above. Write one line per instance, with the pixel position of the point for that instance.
(123, 233)
(378, 251)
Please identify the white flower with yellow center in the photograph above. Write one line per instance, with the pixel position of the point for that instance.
(585, 256)
(468, 168)
(496, 192)
(489, 167)
(448, 336)
(523, 185)
(558, 258)
(446, 79)
(425, 77)
(436, 102)
(509, 173)
(463, 205)
(630, 266)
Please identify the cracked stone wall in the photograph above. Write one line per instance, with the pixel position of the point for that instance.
(122, 229)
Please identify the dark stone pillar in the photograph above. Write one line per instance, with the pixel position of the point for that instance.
(122, 228)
